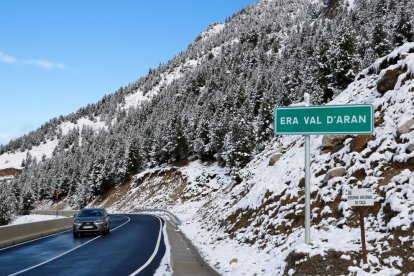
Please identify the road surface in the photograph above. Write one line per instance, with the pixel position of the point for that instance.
(135, 246)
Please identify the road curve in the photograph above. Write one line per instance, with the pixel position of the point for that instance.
(135, 246)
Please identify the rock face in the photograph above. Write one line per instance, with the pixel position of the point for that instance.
(405, 127)
(274, 158)
(410, 148)
(388, 81)
(360, 142)
(234, 261)
(331, 141)
(339, 171)
(9, 172)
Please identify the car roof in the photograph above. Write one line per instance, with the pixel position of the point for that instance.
(100, 209)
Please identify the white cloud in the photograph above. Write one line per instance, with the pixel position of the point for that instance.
(42, 63)
(45, 64)
(7, 59)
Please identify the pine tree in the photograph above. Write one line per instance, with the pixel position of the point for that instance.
(7, 204)
(345, 60)
(27, 202)
(202, 145)
(239, 143)
(380, 43)
(135, 161)
(403, 31)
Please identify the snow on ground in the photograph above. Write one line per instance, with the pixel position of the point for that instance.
(14, 160)
(216, 51)
(96, 125)
(4, 178)
(33, 218)
(351, 4)
(212, 30)
(251, 225)
(135, 99)
(219, 254)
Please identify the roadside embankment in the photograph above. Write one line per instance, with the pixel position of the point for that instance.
(185, 258)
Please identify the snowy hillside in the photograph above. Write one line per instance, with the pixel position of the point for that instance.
(195, 136)
(15, 160)
(251, 222)
(45, 150)
(137, 97)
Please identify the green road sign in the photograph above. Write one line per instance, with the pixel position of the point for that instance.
(326, 119)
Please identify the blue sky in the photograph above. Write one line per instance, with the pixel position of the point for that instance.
(57, 56)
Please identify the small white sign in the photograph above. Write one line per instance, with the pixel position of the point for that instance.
(361, 197)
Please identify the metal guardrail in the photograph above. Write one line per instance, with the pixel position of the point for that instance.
(64, 213)
(173, 217)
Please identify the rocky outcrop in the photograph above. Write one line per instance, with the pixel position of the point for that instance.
(406, 127)
(360, 142)
(9, 172)
(410, 148)
(388, 81)
(275, 157)
(329, 142)
(335, 172)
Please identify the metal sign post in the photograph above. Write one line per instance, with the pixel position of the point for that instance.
(307, 189)
(307, 180)
(57, 204)
(316, 120)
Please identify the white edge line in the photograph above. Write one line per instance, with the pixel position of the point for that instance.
(166, 260)
(44, 237)
(153, 253)
(67, 252)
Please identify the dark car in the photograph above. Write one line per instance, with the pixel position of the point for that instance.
(91, 220)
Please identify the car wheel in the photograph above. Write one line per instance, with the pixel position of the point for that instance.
(75, 235)
(108, 230)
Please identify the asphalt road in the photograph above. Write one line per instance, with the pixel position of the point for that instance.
(134, 246)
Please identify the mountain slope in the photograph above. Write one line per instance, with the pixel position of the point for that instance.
(256, 215)
(214, 100)
(213, 103)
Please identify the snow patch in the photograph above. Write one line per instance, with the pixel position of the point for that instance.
(135, 99)
(212, 30)
(351, 4)
(96, 125)
(33, 218)
(14, 160)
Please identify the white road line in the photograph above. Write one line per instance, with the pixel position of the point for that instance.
(122, 223)
(48, 236)
(67, 252)
(153, 253)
